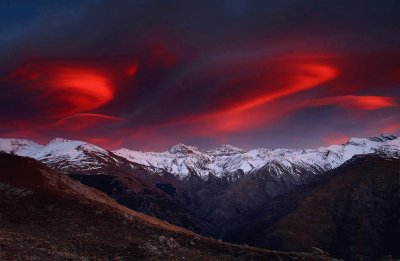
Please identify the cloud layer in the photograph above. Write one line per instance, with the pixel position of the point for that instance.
(147, 75)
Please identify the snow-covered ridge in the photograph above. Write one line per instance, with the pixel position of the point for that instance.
(182, 160)
(58, 152)
(20, 147)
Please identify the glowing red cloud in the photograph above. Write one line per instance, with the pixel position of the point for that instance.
(270, 101)
(238, 112)
(84, 90)
(59, 96)
(243, 112)
(356, 102)
(307, 76)
(244, 95)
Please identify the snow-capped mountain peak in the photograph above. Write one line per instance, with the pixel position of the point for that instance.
(59, 153)
(61, 140)
(20, 147)
(71, 149)
(182, 160)
(181, 148)
(371, 140)
(227, 150)
(383, 138)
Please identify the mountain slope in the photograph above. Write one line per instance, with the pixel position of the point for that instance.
(353, 212)
(45, 215)
(146, 189)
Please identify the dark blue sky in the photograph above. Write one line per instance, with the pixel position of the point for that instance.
(149, 74)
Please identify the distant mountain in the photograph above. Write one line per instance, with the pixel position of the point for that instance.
(48, 216)
(68, 156)
(183, 161)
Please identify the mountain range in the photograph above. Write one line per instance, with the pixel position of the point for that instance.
(262, 197)
(184, 161)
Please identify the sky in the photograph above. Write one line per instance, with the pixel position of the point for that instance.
(148, 74)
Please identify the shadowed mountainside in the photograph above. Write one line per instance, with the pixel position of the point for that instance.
(353, 212)
(45, 215)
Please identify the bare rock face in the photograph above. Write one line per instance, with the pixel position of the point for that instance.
(169, 242)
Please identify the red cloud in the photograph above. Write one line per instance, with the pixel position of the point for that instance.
(81, 90)
(108, 143)
(356, 102)
(245, 95)
(335, 138)
(241, 111)
(58, 91)
(250, 101)
(305, 76)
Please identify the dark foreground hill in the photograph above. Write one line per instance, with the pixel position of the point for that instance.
(48, 216)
